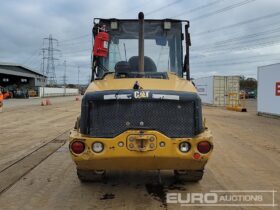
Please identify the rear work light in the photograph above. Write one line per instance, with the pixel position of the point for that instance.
(204, 147)
(97, 147)
(78, 147)
(184, 147)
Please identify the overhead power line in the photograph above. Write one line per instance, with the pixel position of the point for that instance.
(139, 7)
(75, 38)
(162, 7)
(74, 44)
(243, 46)
(236, 63)
(243, 58)
(263, 35)
(187, 12)
(79, 51)
(31, 58)
(238, 24)
(230, 7)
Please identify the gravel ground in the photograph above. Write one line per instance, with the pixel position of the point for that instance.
(246, 157)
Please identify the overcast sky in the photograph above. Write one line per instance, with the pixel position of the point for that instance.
(229, 37)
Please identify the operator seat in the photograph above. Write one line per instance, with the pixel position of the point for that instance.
(122, 67)
(149, 65)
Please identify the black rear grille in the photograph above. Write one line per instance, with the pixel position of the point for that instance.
(105, 117)
(112, 117)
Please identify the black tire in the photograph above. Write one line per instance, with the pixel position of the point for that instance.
(89, 176)
(189, 175)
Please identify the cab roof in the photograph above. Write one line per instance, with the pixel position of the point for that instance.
(136, 20)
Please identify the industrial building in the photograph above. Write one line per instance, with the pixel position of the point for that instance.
(19, 79)
(15, 74)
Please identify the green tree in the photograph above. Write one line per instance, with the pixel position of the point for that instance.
(248, 84)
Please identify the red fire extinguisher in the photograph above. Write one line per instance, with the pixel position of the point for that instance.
(101, 44)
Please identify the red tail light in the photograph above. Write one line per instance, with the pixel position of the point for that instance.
(204, 147)
(196, 156)
(77, 147)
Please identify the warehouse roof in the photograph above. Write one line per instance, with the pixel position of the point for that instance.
(18, 70)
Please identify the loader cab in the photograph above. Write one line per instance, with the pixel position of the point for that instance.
(163, 48)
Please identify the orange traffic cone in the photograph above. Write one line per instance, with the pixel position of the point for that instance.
(43, 103)
(48, 102)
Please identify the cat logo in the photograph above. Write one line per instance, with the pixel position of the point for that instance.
(141, 94)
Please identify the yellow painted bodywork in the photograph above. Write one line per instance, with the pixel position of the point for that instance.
(114, 157)
(235, 102)
(236, 108)
(173, 83)
(125, 158)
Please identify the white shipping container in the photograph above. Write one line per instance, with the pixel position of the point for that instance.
(269, 89)
(214, 90)
(49, 91)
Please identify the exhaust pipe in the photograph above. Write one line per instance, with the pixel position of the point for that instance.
(141, 42)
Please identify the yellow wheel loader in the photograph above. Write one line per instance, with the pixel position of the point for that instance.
(141, 111)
